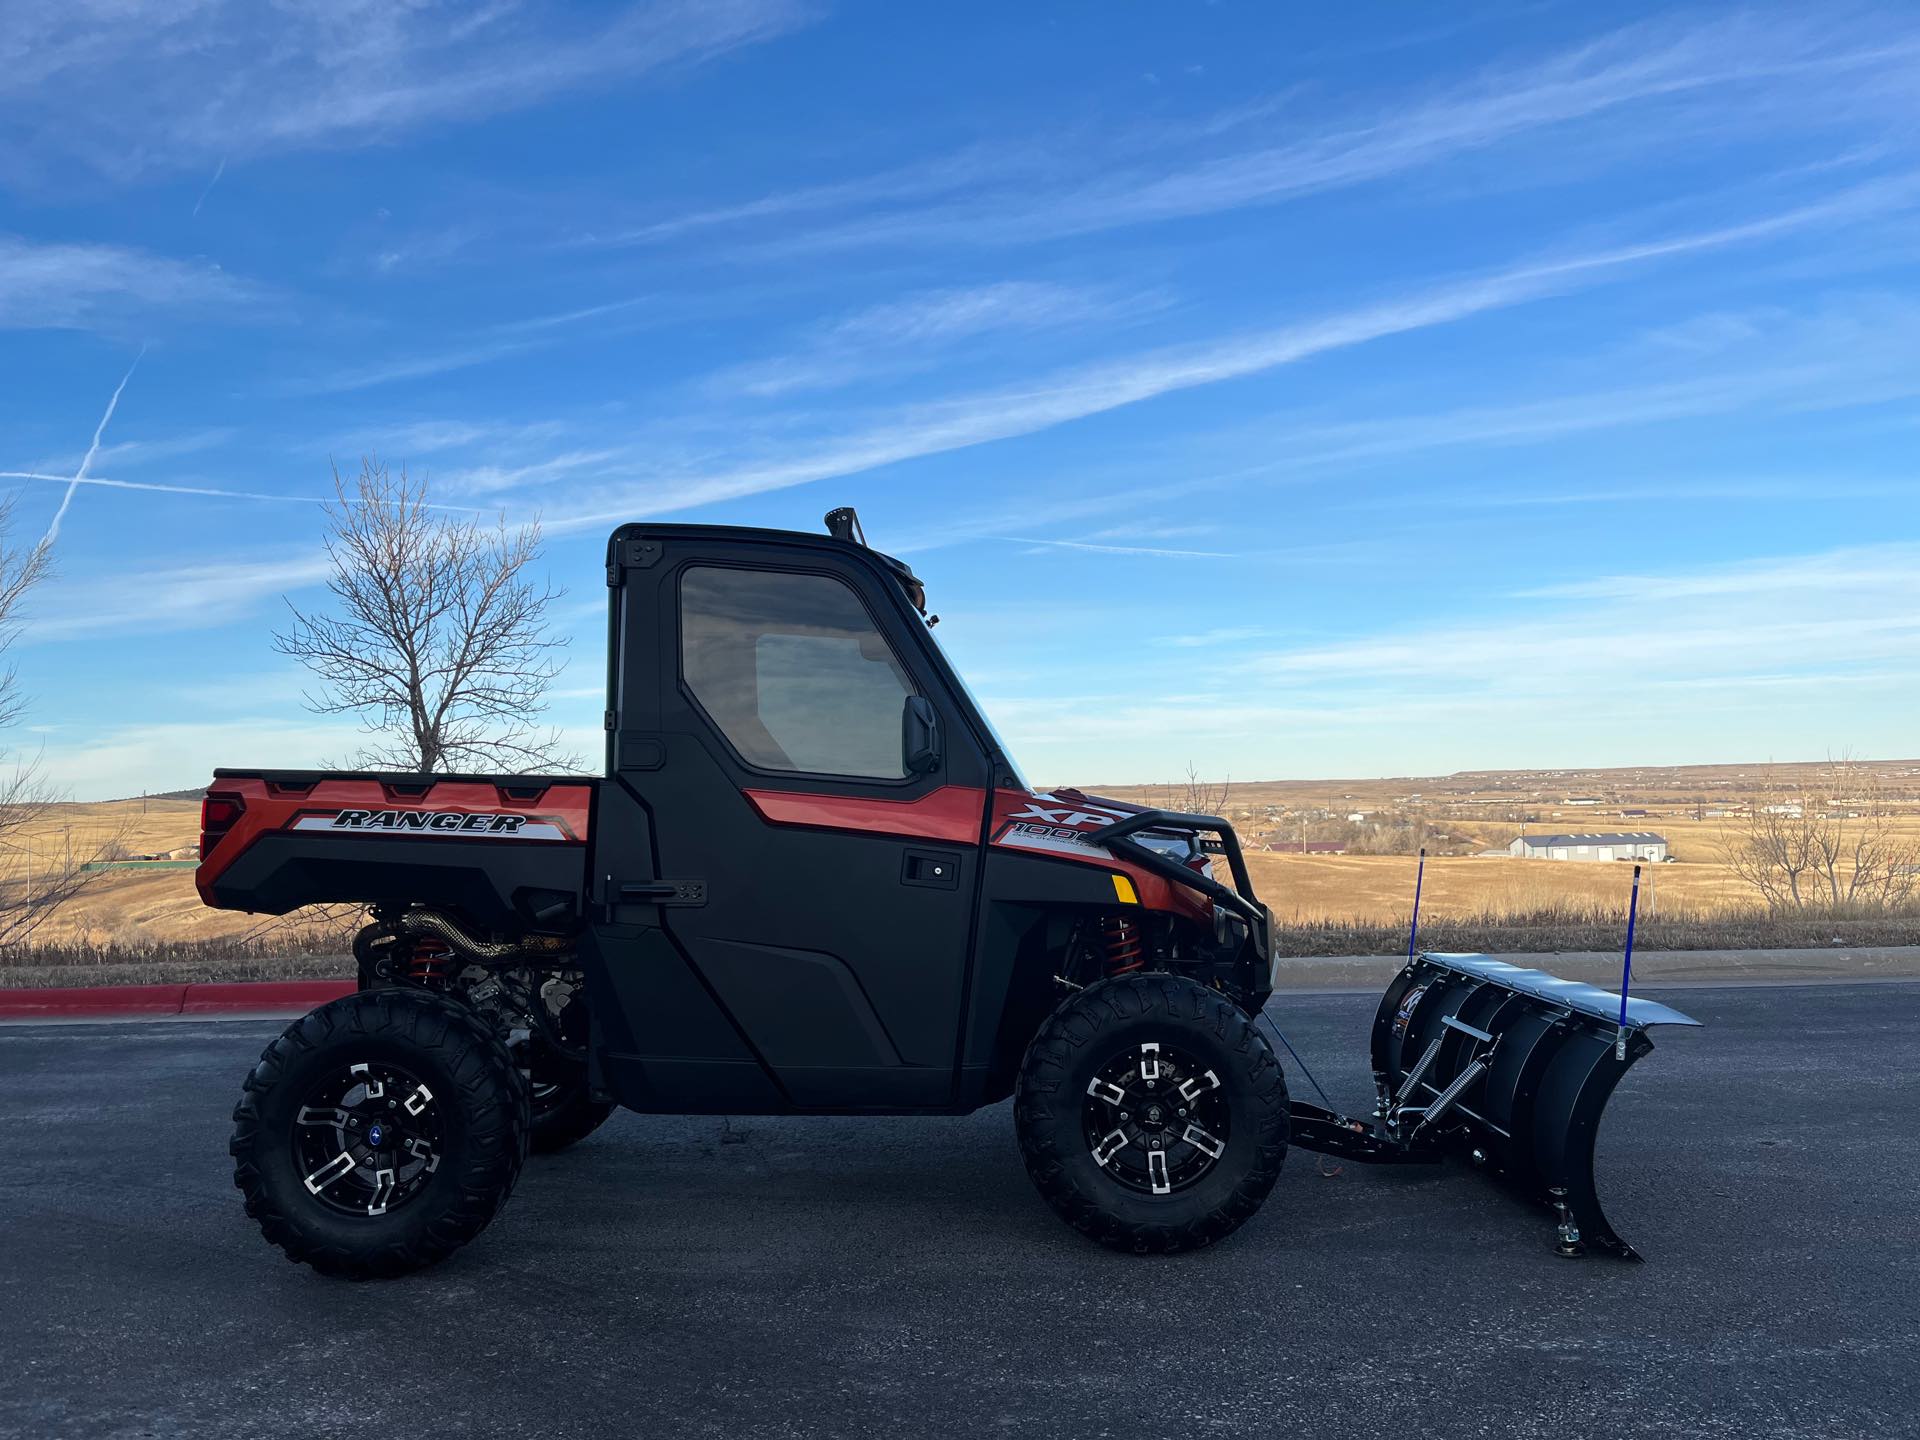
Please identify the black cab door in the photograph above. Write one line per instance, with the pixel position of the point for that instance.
(816, 806)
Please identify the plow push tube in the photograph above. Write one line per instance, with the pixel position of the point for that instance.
(1511, 1067)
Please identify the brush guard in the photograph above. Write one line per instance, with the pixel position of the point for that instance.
(1509, 1067)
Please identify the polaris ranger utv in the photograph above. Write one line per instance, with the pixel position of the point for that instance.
(812, 881)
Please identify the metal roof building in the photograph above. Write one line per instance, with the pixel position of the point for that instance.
(1617, 845)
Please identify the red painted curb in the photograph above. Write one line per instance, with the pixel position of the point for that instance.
(101, 1002)
(294, 996)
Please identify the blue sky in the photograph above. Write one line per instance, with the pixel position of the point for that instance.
(1289, 390)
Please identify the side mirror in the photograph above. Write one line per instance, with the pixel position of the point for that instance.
(919, 735)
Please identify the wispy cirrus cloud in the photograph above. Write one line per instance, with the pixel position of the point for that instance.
(1671, 656)
(1819, 613)
(1714, 82)
(976, 419)
(134, 454)
(1097, 548)
(174, 597)
(911, 332)
(422, 365)
(61, 286)
(127, 86)
(1850, 351)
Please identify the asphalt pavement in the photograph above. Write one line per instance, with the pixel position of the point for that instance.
(697, 1277)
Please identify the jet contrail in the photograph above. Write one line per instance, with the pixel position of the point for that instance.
(218, 171)
(161, 488)
(164, 489)
(80, 475)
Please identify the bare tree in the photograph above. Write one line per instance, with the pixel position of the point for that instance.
(40, 868)
(1194, 796)
(1831, 842)
(438, 640)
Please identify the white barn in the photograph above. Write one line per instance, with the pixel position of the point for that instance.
(1628, 845)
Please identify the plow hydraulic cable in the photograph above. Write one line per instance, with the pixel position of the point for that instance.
(1507, 1066)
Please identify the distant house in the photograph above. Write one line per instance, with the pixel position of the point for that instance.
(1629, 845)
(1582, 800)
(1633, 814)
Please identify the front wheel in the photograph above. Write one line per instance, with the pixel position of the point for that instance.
(380, 1133)
(1151, 1114)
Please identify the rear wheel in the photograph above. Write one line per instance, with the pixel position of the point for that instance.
(1151, 1114)
(380, 1133)
(564, 1112)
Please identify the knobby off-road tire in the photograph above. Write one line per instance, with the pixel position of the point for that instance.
(427, 1074)
(1105, 1042)
(564, 1112)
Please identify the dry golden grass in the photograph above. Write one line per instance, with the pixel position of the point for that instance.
(126, 909)
(1380, 887)
(145, 826)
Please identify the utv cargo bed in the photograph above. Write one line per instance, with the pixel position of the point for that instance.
(508, 851)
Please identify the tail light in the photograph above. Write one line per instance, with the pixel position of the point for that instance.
(218, 815)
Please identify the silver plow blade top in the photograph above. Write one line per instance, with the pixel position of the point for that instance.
(1582, 999)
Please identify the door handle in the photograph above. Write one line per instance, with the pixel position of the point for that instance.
(935, 869)
(662, 892)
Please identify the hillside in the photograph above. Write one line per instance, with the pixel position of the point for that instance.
(1695, 807)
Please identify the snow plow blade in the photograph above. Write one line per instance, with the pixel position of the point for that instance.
(1512, 1068)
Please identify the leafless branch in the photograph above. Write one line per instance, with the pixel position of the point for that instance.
(437, 636)
(1831, 843)
(40, 867)
(1194, 796)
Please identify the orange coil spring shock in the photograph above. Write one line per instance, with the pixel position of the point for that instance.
(1124, 951)
(430, 960)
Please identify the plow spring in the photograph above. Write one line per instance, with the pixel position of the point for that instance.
(1509, 1067)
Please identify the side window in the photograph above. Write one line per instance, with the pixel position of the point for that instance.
(792, 671)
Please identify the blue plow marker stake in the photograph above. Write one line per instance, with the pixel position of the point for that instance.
(1413, 931)
(1626, 970)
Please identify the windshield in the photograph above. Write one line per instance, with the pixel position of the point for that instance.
(980, 711)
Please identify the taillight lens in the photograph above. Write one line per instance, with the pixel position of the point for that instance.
(218, 815)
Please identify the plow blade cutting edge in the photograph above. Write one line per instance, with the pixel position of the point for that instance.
(1509, 1067)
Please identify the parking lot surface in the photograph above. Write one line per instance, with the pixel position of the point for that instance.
(695, 1277)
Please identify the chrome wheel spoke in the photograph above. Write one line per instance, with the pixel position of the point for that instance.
(1157, 1179)
(1193, 1088)
(1208, 1145)
(341, 1165)
(1103, 1089)
(418, 1149)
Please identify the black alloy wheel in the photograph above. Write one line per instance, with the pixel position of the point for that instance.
(1151, 1114)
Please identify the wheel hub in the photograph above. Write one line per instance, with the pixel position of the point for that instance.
(1156, 1118)
(368, 1138)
